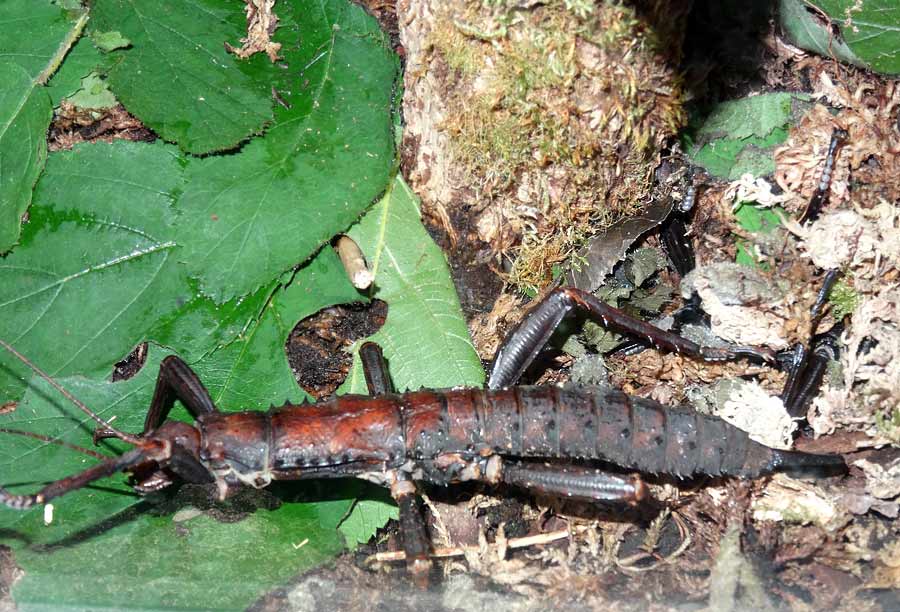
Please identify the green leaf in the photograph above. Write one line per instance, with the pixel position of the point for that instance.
(36, 36)
(109, 41)
(752, 116)
(425, 338)
(806, 30)
(869, 31)
(368, 516)
(94, 93)
(757, 220)
(93, 270)
(318, 168)
(738, 136)
(81, 61)
(25, 113)
(253, 371)
(177, 77)
(32, 34)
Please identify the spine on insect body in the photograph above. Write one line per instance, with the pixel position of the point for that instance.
(589, 423)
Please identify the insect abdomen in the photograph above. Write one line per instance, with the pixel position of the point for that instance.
(605, 424)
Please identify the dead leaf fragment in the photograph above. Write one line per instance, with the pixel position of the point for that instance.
(261, 25)
(794, 501)
(741, 303)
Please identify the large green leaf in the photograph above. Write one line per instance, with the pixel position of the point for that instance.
(250, 216)
(95, 267)
(177, 77)
(869, 31)
(25, 114)
(32, 33)
(34, 37)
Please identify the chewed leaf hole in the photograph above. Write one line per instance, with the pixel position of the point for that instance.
(317, 346)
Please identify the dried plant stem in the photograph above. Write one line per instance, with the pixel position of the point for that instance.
(459, 551)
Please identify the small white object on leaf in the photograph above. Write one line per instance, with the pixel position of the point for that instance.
(48, 514)
(751, 189)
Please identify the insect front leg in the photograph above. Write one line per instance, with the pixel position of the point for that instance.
(531, 335)
(176, 380)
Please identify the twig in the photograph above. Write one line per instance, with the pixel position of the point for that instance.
(459, 551)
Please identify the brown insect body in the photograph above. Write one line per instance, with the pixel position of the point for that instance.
(446, 436)
(491, 435)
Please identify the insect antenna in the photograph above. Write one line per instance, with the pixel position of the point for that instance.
(49, 440)
(136, 456)
(121, 435)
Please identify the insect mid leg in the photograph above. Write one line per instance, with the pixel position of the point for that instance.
(531, 335)
(412, 530)
(574, 481)
(378, 380)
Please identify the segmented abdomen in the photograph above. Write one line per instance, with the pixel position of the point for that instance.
(579, 422)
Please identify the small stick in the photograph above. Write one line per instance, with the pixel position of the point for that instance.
(459, 551)
(354, 262)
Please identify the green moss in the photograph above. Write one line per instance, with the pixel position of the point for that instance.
(888, 424)
(555, 113)
(844, 299)
(459, 51)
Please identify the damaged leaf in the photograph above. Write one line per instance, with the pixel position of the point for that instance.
(176, 76)
(89, 249)
(793, 501)
(742, 303)
(862, 33)
(94, 93)
(739, 136)
(250, 216)
(756, 220)
(36, 36)
(425, 339)
(109, 41)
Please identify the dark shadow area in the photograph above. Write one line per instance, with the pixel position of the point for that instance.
(724, 50)
(317, 346)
